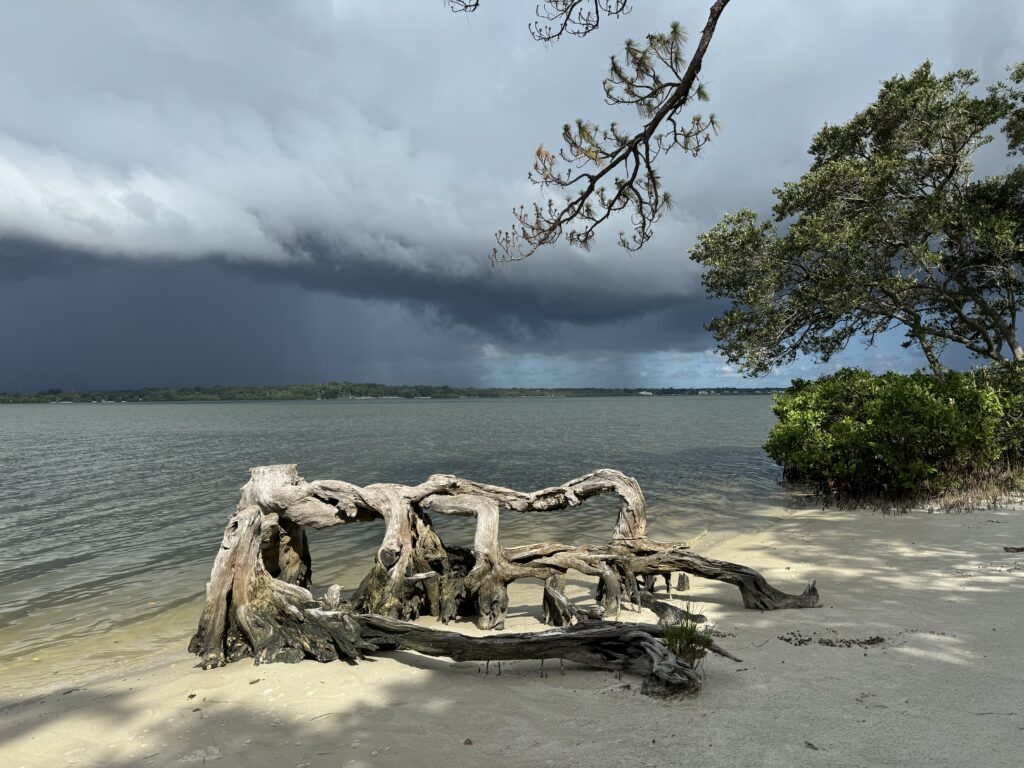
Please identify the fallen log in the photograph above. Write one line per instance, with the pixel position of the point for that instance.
(259, 603)
(632, 648)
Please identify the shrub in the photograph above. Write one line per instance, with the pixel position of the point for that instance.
(854, 436)
(1007, 381)
(689, 639)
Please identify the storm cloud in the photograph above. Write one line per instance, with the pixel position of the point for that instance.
(327, 177)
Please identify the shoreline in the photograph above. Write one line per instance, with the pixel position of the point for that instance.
(912, 659)
(374, 398)
(68, 663)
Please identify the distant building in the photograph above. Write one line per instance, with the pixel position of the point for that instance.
(646, 393)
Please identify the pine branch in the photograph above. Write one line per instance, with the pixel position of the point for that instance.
(659, 83)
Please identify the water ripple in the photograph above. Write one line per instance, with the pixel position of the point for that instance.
(114, 512)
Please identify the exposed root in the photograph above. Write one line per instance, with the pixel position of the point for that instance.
(259, 604)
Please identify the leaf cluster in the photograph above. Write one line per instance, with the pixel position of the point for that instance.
(888, 228)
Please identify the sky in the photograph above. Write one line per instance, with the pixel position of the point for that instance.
(261, 192)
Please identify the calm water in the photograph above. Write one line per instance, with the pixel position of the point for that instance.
(113, 513)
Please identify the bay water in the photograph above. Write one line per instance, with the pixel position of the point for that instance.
(112, 513)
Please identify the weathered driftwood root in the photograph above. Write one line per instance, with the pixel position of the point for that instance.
(559, 610)
(269, 618)
(632, 648)
(258, 602)
(755, 591)
(625, 569)
(281, 622)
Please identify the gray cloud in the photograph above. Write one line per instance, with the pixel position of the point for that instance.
(367, 152)
(77, 322)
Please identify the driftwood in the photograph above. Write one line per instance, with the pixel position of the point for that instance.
(259, 602)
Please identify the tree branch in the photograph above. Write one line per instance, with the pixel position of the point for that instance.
(626, 162)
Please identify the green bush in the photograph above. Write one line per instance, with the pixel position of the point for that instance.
(854, 436)
(1007, 381)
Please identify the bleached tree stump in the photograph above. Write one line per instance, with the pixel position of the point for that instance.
(259, 604)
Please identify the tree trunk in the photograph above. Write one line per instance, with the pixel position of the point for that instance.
(929, 352)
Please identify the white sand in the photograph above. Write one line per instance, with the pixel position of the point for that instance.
(945, 688)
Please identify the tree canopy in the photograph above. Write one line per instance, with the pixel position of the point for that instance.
(888, 229)
(603, 172)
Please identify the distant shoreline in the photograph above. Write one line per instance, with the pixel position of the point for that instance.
(348, 391)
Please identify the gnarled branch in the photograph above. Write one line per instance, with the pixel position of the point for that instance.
(601, 173)
(259, 604)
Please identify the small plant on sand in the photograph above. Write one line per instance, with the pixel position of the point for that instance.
(689, 639)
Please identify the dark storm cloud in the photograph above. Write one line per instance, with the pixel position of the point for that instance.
(499, 302)
(144, 324)
(22, 259)
(111, 323)
(357, 156)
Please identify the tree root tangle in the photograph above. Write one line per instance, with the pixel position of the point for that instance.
(259, 605)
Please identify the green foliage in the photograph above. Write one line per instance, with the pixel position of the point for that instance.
(855, 436)
(1007, 382)
(888, 228)
(689, 639)
(1014, 127)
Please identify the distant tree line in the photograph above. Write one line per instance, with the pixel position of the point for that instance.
(345, 390)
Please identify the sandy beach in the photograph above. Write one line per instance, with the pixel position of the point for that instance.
(914, 659)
